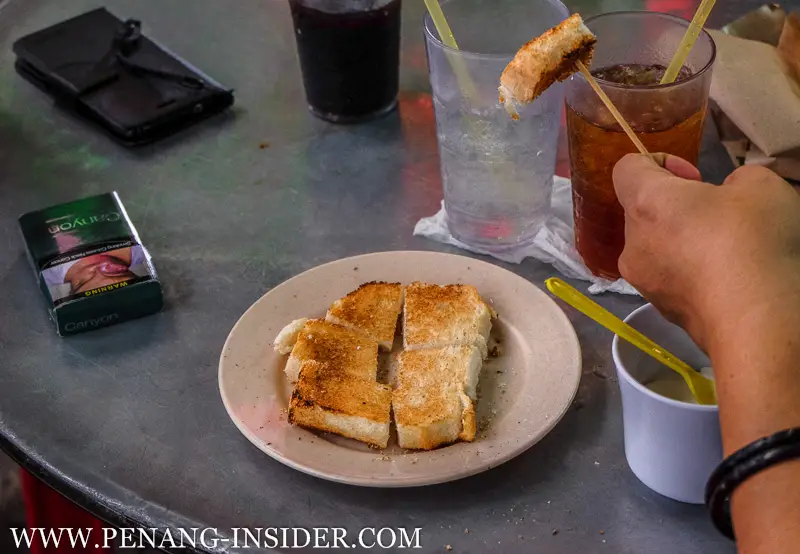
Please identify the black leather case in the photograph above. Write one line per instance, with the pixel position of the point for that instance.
(106, 71)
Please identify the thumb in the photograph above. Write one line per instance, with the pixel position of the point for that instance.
(635, 175)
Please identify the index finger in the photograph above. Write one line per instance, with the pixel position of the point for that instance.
(681, 168)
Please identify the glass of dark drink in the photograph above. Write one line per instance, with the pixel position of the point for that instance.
(349, 56)
(633, 51)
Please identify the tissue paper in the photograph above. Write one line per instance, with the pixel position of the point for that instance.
(552, 244)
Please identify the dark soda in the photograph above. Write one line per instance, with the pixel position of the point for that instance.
(349, 54)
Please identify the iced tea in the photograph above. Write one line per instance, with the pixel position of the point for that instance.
(633, 50)
(596, 145)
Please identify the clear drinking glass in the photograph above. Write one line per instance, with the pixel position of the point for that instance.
(667, 118)
(497, 173)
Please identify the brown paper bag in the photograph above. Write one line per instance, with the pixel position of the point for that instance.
(764, 25)
(752, 88)
(768, 24)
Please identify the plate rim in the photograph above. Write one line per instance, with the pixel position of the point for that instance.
(399, 481)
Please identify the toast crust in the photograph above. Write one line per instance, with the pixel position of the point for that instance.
(353, 427)
(287, 338)
(468, 426)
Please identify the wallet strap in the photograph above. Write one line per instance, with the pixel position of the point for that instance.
(127, 41)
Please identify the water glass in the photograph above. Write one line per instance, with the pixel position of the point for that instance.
(497, 173)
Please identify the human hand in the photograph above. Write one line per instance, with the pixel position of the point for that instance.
(708, 256)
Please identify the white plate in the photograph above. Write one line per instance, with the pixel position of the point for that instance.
(523, 393)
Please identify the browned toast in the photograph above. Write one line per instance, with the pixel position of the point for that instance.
(433, 401)
(328, 400)
(371, 309)
(339, 348)
(436, 316)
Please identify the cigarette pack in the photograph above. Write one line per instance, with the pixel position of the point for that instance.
(91, 264)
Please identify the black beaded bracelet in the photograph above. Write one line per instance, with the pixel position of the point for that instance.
(743, 464)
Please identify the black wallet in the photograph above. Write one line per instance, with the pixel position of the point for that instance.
(106, 71)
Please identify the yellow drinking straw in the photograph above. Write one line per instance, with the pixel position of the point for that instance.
(446, 35)
(688, 41)
(440, 21)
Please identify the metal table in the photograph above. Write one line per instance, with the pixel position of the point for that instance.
(128, 422)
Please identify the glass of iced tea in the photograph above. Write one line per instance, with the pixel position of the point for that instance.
(632, 53)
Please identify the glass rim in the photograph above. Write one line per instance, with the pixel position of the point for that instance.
(660, 15)
(428, 25)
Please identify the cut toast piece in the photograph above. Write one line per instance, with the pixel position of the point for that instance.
(340, 348)
(544, 60)
(433, 401)
(438, 316)
(326, 399)
(287, 338)
(371, 309)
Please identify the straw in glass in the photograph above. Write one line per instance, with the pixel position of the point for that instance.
(688, 41)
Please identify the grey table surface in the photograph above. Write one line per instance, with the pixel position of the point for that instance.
(128, 420)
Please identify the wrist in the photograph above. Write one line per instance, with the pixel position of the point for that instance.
(756, 360)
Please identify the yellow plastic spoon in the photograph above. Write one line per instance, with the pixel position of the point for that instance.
(702, 388)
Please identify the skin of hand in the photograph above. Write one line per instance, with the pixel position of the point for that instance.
(724, 263)
(708, 255)
(100, 270)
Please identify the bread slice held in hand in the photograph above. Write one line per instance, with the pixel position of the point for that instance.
(452, 315)
(325, 399)
(372, 309)
(433, 402)
(339, 348)
(544, 60)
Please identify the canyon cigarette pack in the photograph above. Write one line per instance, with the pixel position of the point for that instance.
(91, 265)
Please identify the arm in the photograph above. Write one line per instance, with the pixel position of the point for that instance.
(724, 262)
(758, 382)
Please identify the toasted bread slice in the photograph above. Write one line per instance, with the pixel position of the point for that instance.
(340, 348)
(371, 309)
(326, 399)
(544, 60)
(287, 338)
(433, 401)
(429, 417)
(438, 316)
